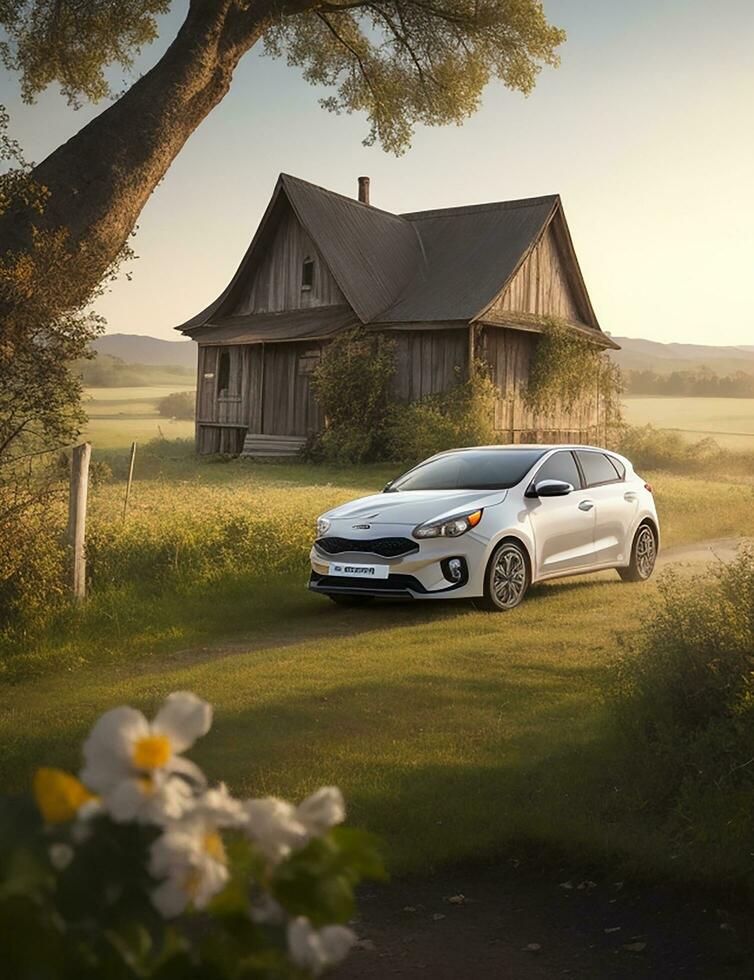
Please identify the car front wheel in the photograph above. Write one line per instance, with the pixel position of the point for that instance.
(507, 578)
(643, 556)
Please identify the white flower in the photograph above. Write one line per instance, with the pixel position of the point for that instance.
(274, 827)
(136, 767)
(224, 810)
(190, 858)
(278, 828)
(316, 949)
(61, 856)
(266, 911)
(322, 810)
(158, 799)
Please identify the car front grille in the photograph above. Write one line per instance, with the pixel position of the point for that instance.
(385, 547)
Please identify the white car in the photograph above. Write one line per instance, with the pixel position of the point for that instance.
(484, 523)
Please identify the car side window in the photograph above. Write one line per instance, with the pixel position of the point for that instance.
(597, 468)
(619, 467)
(560, 466)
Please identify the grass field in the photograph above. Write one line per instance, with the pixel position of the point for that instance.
(730, 421)
(453, 733)
(117, 416)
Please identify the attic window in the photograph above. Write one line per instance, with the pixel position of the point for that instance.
(307, 274)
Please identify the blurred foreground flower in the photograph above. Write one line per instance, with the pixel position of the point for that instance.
(140, 869)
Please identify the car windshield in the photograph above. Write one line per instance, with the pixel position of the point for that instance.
(471, 469)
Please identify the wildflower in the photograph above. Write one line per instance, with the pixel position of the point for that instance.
(61, 856)
(59, 795)
(190, 855)
(278, 828)
(190, 858)
(316, 949)
(274, 827)
(322, 810)
(135, 765)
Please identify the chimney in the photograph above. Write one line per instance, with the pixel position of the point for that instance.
(364, 190)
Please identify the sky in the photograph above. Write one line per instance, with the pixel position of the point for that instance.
(645, 131)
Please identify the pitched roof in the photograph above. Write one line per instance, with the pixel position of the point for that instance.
(420, 267)
(470, 254)
(314, 323)
(372, 254)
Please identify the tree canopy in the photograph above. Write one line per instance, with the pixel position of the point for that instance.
(401, 62)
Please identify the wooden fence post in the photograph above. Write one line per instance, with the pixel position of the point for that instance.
(77, 518)
(130, 478)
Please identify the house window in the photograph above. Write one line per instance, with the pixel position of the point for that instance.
(223, 373)
(307, 274)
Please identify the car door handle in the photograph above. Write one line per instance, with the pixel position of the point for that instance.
(586, 505)
(630, 496)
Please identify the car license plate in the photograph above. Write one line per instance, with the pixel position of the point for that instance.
(347, 570)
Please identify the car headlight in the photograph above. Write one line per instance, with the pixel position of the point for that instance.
(323, 526)
(449, 529)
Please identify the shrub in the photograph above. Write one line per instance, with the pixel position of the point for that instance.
(462, 416)
(650, 448)
(567, 369)
(352, 385)
(693, 660)
(683, 704)
(177, 405)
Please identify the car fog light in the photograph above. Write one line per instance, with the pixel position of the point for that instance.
(455, 568)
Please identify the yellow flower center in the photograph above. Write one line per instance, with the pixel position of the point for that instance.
(192, 882)
(146, 785)
(213, 845)
(151, 752)
(59, 795)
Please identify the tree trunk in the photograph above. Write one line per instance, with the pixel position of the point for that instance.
(100, 180)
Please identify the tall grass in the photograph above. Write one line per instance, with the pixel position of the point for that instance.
(205, 540)
(683, 706)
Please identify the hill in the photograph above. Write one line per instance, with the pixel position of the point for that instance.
(649, 355)
(136, 349)
(635, 354)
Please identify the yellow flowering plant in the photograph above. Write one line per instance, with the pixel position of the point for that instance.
(138, 868)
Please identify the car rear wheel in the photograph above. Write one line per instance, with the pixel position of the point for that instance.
(643, 556)
(506, 580)
(350, 600)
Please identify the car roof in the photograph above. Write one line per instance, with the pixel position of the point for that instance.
(530, 445)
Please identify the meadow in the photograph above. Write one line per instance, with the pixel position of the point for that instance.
(117, 416)
(453, 733)
(729, 421)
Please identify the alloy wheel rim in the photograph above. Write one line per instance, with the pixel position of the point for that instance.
(508, 577)
(646, 552)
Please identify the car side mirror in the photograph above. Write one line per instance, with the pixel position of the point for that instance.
(550, 488)
(388, 486)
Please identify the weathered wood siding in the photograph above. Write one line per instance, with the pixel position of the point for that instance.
(289, 407)
(222, 417)
(429, 361)
(509, 354)
(275, 284)
(269, 391)
(541, 285)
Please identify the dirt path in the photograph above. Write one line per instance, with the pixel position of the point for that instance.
(517, 920)
(716, 549)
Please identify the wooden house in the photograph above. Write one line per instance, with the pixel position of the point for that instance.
(448, 285)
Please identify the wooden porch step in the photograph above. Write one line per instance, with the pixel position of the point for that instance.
(257, 444)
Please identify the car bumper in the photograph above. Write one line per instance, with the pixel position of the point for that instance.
(422, 575)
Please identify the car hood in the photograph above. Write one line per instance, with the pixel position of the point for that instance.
(412, 507)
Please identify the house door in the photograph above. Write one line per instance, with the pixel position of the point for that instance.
(289, 406)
